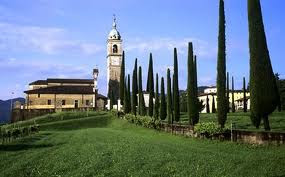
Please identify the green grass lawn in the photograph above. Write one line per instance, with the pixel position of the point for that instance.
(100, 145)
(242, 120)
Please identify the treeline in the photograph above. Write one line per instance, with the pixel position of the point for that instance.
(264, 90)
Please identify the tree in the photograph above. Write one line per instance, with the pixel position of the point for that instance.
(221, 69)
(141, 96)
(162, 101)
(279, 91)
(199, 104)
(169, 98)
(263, 88)
(191, 100)
(135, 89)
(112, 100)
(233, 96)
(156, 105)
(213, 104)
(176, 105)
(207, 105)
(244, 96)
(228, 93)
(150, 86)
(126, 98)
(122, 79)
(129, 95)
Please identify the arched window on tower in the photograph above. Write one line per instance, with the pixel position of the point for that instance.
(115, 48)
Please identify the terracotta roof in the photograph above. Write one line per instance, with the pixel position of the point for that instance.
(39, 82)
(57, 80)
(62, 90)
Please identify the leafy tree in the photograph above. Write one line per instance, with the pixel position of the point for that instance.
(221, 69)
(122, 79)
(213, 104)
(176, 105)
(263, 88)
(156, 105)
(169, 98)
(162, 101)
(244, 96)
(191, 101)
(150, 86)
(233, 96)
(135, 89)
(207, 105)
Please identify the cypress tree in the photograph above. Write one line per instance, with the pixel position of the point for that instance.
(213, 105)
(141, 95)
(150, 86)
(135, 89)
(129, 95)
(112, 100)
(176, 98)
(197, 110)
(233, 96)
(207, 105)
(122, 79)
(162, 101)
(228, 93)
(125, 98)
(279, 92)
(244, 96)
(221, 69)
(191, 99)
(156, 105)
(263, 89)
(169, 98)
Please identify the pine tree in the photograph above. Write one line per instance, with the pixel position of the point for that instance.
(207, 105)
(244, 96)
(263, 89)
(150, 86)
(156, 105)
(135, 89)
(228, 93)
(122, 79)
(176, 97)
(213, 104)
(233, 96)
(221, 69)
(191, 99)
(162, 110)
(198, 103)
(169, 98)
(129, 95)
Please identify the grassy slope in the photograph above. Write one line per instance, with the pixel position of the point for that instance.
(102, 146)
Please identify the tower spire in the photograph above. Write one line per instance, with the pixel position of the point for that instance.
(114, 21)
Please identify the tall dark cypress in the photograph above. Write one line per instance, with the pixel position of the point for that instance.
(244, 96)
(162, 111)
(213, 104)
(191, 99)
(150, 86)
(135, 89)
(112, 100)
(126, 109)
(228, 93)
(207, 105)
(156, 105)
(176, 97)
(196, 120)
(129, 95)
(263, 89)
(221, 69)
(169, 98)
(122, 79)
(141, 95)
(233, 96)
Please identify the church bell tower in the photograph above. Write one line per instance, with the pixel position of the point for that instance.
(114, 60)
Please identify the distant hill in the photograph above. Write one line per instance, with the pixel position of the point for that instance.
(5, 109)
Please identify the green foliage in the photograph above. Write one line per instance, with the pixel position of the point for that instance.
(207, 105)
(142, 110)
(221, 69)
(126, 108)
(263, 89)
(176, 101)
(213, 104)
(135, 89)
(199, 104)
(183, 101)
(209, 129)
(244, 96)
(169, 99)
(156, 105)
(233, 96)
(144, 121)
(150, 86)
(162, 110)
(228, 92)
(122, 79)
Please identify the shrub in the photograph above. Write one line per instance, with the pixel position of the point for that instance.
(144, 121)
(209, 129)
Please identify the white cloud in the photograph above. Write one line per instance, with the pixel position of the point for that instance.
(201, 48)
(42, 39)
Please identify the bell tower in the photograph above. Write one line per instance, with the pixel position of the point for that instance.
(114, 60)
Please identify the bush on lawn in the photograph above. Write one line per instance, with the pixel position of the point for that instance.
(209, 129)
(144, 121)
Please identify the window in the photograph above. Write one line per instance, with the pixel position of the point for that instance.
(62, 102)
(115, 48)
(87, 103)
(39, 95)
(49, 102)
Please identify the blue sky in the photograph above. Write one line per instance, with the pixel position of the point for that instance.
(42, 39)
